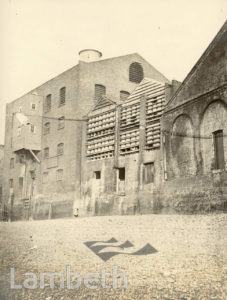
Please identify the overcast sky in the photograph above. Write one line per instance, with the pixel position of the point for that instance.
(42, 38)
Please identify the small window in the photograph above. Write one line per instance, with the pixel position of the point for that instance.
(32, 128)
(11, 163)
(11, 183)
(61, 123)
(62, 96)
(46, 129)
(20, 109)
(100, 90)
(33, 106)
(45, 177)
(121, 181)
(60, 149)
(121, 173)
(46, 153)
(19, 131)
(219, 159)
(135, 72)
(124, 95)
(148, 173)
(47, 104)
(97, 174)
(59, 174)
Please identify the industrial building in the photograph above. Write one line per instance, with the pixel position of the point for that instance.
(115, 136)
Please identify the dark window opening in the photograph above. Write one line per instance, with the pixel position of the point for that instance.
(124, 95)
(135, 72)
(11, 163)
(97, 174)
(47, 106)
(62, 96)
(148, 173)
(121, 174)
(100, 90)
(219, 159)
(33, 106)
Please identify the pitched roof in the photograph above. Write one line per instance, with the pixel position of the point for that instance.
(102, 102)
(149, 87)
(211, 46)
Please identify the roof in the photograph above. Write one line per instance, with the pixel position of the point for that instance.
(102, 102)
(148, 87)
(211, 46)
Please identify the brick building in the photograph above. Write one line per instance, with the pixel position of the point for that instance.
(44, 129)
(114, 136)
(194, 128)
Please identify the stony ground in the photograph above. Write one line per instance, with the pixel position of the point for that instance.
(190, 262)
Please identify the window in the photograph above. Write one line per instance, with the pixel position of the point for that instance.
(33, 106)
(100, 90)
(46, 153)
(32, 128)
(47, 104)
(135, 72)
(60, 149)
(45, 177)
(46, 129)
(121, 173)
(124, 95)
(18, 131)
(121, 181)
(11, 163)
(148, 173)
(62, 96)
(59, 174)
(219, 159)
(97, 174)
(61, 122)
(11, 183)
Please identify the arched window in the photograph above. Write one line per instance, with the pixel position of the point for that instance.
(60, 149)
(100, 90)
(135, 72)
(46, 153)
(124, 95)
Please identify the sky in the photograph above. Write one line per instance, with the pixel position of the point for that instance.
(42, 38)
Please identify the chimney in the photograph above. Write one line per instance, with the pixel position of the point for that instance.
(89, 55)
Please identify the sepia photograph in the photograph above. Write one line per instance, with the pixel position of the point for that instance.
(113, 149)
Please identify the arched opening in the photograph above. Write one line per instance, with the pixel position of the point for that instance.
(182, 147)
(213, 141)
(136, 72)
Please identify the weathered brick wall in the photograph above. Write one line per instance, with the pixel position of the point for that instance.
(198, 109)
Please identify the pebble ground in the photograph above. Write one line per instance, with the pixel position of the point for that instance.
(190, 262)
